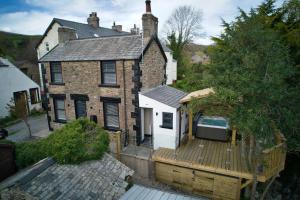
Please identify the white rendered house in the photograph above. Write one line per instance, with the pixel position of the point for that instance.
(171, 68)
(14, 84)
(164, 120)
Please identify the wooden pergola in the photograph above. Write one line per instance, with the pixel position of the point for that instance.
(199, 94)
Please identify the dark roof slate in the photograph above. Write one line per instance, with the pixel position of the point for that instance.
(87, 31)
(104, 48)
(166, 95)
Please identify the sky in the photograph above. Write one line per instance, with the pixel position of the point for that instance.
(32, 17)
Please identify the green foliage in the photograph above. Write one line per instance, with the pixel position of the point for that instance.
(18, 47)
(77, 141)
(251, 71)
(8, 120)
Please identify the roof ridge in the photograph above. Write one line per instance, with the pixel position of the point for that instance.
(55, 18)
(106, 37)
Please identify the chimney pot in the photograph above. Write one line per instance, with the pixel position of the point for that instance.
(93, 20)
(148, 6)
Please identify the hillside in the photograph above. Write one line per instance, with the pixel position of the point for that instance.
(20, 50)
(197, 53)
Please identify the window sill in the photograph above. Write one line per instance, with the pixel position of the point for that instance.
(56, 83)
(107, 85)
(161, 126)
(60, 121)
(111, 128)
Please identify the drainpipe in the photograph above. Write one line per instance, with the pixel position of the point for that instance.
(125, 107)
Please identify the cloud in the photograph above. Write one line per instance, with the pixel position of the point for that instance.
(36, 19)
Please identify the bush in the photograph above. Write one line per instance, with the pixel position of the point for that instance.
(77, 141)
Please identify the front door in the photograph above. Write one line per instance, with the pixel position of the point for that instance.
(148, 121)
(21, 102)
(80, 108)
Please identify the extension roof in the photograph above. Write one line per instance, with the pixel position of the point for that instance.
(166, 95)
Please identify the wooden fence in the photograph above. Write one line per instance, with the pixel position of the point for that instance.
(274, 158)
(7, 161)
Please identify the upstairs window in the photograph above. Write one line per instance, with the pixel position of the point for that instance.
(167, 120)
(108, 73)
(47, 46)
(34, 95)
(56, 72)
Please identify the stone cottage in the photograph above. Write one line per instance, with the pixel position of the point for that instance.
(100, 78)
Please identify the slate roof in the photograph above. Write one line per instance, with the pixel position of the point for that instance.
(140, 192)
(101, 179)
(87, 31)
(166, 95)
(105, 48)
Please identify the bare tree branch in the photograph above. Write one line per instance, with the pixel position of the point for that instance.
(185, 22)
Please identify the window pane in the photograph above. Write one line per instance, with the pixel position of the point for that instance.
(109, 68)
(111, 115)
(168, 120)
(61, 114)
(80, 108)
(60, 104)
(109, 73)
(112, 121)
(55, 67)
(111, 109)
(57, 78)
(109, 78)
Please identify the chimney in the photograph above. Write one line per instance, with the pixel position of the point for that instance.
(93, 20)
(117, 27)
(149, 21)
(65, 34)
(148, 6)
(135, 30)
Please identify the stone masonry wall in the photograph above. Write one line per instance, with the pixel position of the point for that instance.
(83, 77)
(153, 67)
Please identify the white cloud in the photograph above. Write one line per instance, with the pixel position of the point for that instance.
(125, 12)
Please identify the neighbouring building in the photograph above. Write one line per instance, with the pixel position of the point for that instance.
(171, 69)
(100, 78)
(15, 85)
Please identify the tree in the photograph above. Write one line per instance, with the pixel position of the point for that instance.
(19, 110)
(181, 28)
(250, 72)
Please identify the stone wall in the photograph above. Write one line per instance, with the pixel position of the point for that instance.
(83, 77)
(153, 67)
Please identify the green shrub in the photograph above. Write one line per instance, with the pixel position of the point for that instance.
(77, 141)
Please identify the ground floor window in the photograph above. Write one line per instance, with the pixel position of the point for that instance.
(59, 109)
(80, 108)
(34, 95)
(111, 115)
(167, 120)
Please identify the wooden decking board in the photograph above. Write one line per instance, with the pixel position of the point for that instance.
(214, 154)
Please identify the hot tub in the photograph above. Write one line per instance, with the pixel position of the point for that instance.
(214, 128)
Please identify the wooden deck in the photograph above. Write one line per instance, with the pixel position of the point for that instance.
(211, 156)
